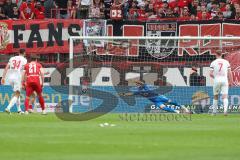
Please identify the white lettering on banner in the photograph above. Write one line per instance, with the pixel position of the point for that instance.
(85, 100)
(209, 80)
(74, 76)
(234, 99)
(81, 100)
(187, 72)
(173, 76)
(99, 73)
(54, 75)
(150, 78)
(132, 75)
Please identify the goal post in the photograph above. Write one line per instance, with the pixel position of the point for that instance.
(166, 63)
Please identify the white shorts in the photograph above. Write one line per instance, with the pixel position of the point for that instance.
(220, 88)
(15, 83)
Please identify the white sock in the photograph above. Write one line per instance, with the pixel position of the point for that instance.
(12, 102)
(215, 105)
(19, 104)
(225, 105)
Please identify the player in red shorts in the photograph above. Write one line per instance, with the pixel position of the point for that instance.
(33, 78)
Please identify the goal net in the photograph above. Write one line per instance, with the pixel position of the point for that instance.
(100, 68)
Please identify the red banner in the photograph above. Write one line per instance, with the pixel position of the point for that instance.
(52, 36)
(38, 36)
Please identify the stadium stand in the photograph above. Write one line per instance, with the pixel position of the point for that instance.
(132, 9)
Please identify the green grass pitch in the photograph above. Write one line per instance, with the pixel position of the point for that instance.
(37, 137)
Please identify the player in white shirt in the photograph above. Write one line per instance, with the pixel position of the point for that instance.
(12, 74)
(221, 74)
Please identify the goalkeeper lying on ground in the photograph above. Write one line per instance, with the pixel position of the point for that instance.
(160, 101)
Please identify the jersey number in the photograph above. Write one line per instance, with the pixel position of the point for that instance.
(16, 64)
(32, 68)
(220, 66)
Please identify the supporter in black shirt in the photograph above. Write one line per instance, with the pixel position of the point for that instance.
(107, 7)
(2, 3)
(2, 14)
(62, 4)
(49, 5)
(8, 8)
(15, 13)
(193, 7)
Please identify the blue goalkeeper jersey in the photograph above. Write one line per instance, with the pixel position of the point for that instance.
(147, 92)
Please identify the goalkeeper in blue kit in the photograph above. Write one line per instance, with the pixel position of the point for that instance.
(160, 101)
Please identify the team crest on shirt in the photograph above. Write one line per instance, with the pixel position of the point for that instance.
(4, 35)
(161, 48)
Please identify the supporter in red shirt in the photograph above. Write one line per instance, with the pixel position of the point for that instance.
(203, 9)
(183, 3)
(176, 12)
(133, 11)
(158, 4)
(169, 13)
(149, 10)
(204, 16)
(27, 10)
(237, 16)
(234, 1)
(222, 5)
(39, 11)
(220, 16)
(141, 13)
(165, 6)
(185, 14)
(71, 9)
(198, 9)
(193, 17)
(214, 9)
(173, 3)
(161, 13)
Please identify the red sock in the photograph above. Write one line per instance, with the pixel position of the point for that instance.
(26, 104)
(30, 107)
(41, 101)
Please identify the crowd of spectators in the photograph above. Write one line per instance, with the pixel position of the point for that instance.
(131, 9)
